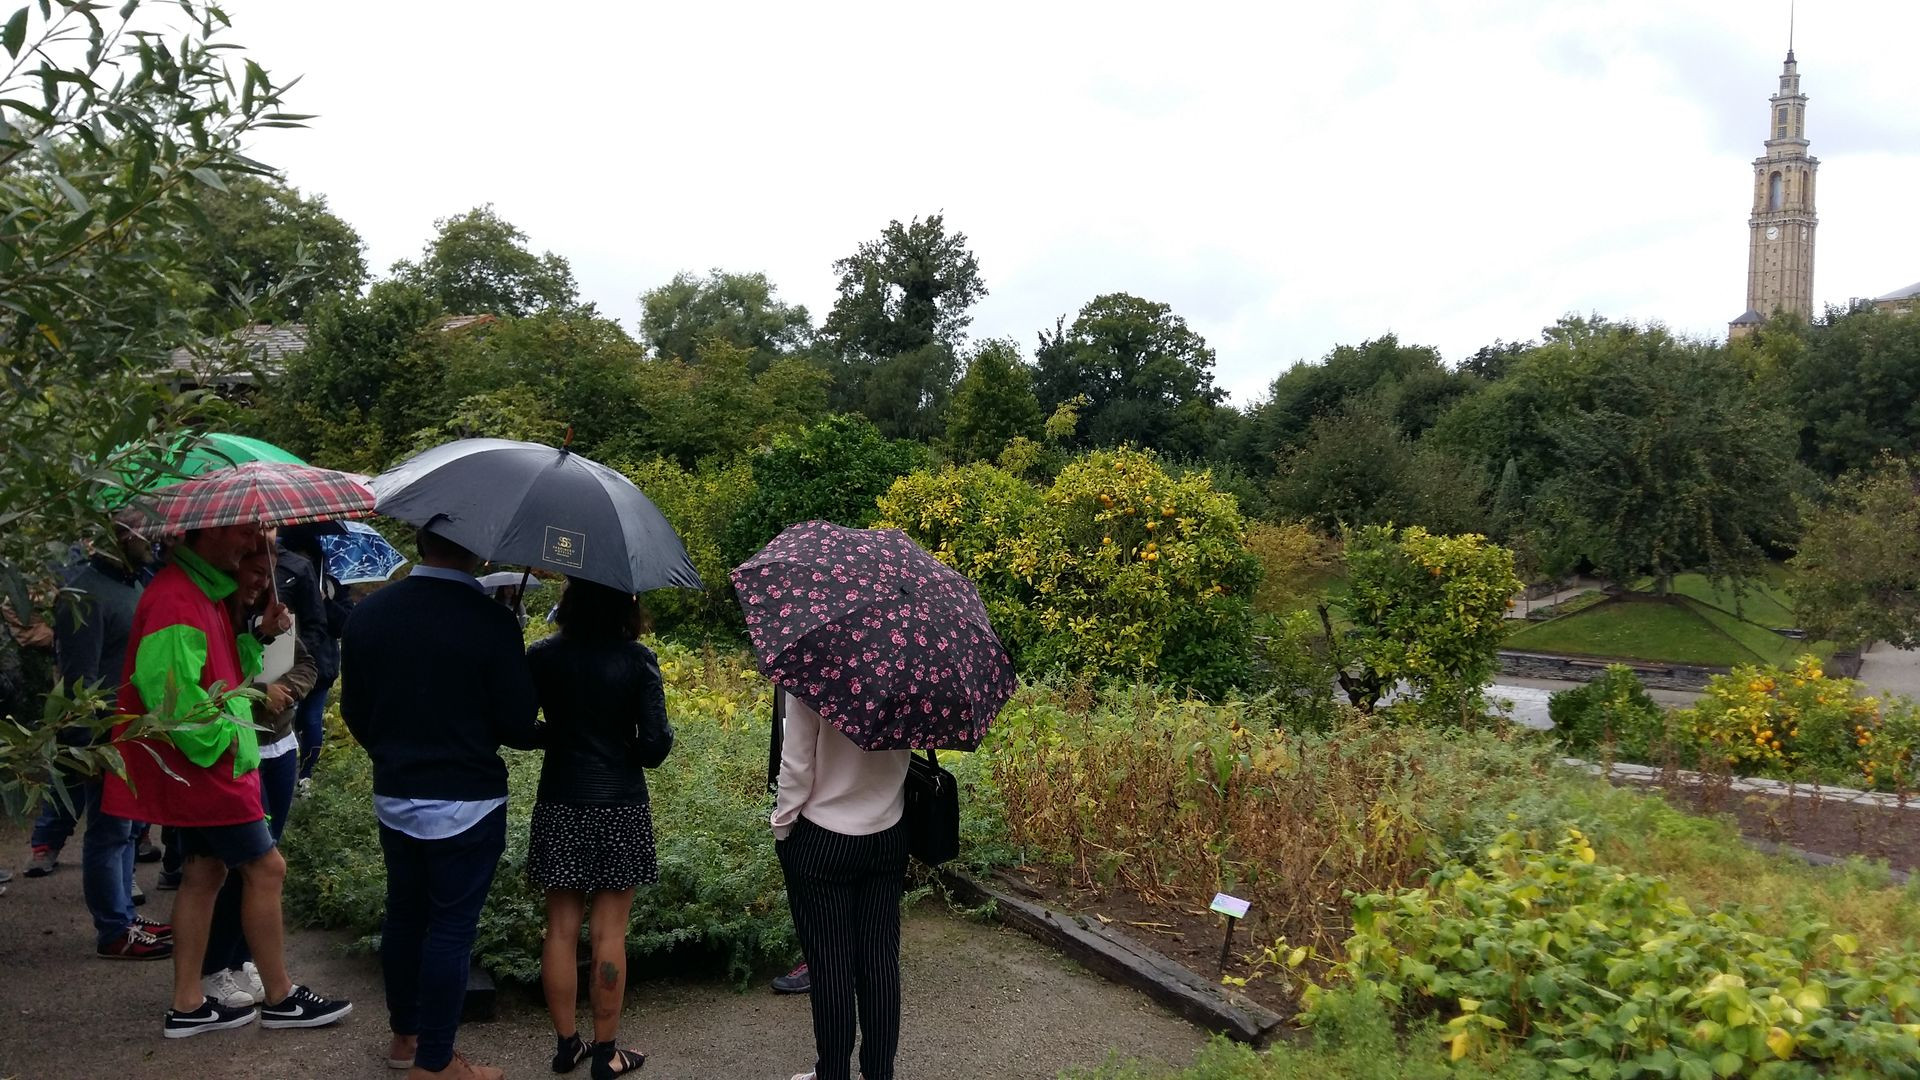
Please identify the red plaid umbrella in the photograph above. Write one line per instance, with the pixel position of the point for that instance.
(264, 493)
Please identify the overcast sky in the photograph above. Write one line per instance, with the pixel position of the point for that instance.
(1288, 177)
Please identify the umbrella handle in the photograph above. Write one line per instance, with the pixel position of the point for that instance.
(520, 599)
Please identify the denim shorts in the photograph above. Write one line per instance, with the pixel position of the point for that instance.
(235, 845)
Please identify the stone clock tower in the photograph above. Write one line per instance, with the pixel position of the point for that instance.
(1780, 243)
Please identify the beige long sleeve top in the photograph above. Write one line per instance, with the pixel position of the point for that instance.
(831, 782)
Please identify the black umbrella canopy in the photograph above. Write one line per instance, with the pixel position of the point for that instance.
(526, 504)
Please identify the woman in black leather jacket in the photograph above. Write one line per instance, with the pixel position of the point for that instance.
(591, 841)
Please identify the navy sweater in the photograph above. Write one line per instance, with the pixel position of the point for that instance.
(433, 682)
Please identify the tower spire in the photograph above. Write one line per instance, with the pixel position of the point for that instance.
(1790, 14)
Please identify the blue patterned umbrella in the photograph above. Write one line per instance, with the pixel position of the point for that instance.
(359, 554)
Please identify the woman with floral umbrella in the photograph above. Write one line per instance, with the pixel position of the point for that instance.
(875, 649)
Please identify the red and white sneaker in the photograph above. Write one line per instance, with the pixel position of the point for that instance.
(136, 944)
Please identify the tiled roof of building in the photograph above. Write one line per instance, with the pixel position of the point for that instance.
(258, 346)
(264, 347)
(1909, 293)
(1749, 318)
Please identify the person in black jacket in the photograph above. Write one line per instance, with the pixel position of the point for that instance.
(591, 841)
(434, 681)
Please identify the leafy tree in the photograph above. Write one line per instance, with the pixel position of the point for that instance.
(364, 385)
(478, 264)
(579, 367)
(261, 232)
(1410, 383)
(1490, 363)
(900, 319)
(833, 470)
(1357, 467)
(109, 139)
(678, 318)
(1671, 462)
(1430, 610)
(1857, 573)
(1147, 377)
(1856, 389)
(718, 408)
(993, 404)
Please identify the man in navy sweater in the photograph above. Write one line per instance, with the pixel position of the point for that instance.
(435, 681)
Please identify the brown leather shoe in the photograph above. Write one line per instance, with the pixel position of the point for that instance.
(458, 1069)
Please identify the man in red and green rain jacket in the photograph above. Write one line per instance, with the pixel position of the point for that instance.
(202, 777)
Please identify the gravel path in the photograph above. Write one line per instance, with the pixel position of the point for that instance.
(979, 1002)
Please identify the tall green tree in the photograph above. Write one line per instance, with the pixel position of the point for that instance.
(904, 304)
(1147, 376)
(1672, 463)
(993, 404)
(1410, 382)
(740, 310)
(1857, 571)
(1358, 468)
(364, 384)
(478, 263)
(113, 124)
(261, 232)
(1856, 389)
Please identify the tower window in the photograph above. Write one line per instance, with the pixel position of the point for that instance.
(1775, 188)
(1780, 126)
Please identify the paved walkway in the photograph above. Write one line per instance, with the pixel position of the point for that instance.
(979, 1002)
(1889, 672)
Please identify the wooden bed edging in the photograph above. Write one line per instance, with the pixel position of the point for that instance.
(1126, 961)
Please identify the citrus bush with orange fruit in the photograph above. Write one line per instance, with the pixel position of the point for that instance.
(1800, 720)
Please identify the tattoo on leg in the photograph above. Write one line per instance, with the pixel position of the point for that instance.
(609, 974)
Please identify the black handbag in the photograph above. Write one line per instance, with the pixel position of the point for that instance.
(933, 811)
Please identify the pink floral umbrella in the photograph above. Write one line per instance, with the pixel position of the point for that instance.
(890, 645)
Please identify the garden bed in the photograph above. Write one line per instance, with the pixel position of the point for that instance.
(1828, 827)
(1182, 931)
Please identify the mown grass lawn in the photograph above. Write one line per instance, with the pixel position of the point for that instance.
(1671, 632)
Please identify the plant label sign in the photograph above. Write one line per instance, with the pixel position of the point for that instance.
(1231, 906)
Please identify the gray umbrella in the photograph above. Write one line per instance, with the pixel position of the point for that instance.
(531, 505)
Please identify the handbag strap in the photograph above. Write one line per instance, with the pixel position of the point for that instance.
(774, 740)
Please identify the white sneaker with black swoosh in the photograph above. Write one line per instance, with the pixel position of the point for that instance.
(210, 1016)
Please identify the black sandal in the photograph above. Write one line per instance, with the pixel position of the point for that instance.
(572, 1051)
(606, 1055)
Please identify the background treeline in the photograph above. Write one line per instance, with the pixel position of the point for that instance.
(1599, 446)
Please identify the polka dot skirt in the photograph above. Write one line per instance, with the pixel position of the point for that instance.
(591, 848)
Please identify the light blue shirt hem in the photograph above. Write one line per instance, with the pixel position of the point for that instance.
(432, 819)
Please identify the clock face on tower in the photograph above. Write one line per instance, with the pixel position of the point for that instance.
(1773, 232)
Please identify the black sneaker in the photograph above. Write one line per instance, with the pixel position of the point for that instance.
(145, 851)
(169, 880)
(304, 1009)
(796, 981)
(210, 1016)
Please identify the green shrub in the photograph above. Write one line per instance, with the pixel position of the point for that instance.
(833, 470)
(1798, 721)
(700, 503)
(1603, 974)
(1613, 710)
(1427, 609)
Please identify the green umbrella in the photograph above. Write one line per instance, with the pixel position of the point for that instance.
(204, 453)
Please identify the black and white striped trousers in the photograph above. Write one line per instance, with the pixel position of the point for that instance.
(844, 892)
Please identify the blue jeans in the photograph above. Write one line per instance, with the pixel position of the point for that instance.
(435, 890)
(226, 943)
(55, 825)
(310, 726)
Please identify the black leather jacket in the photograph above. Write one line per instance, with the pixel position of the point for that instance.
(606, 713)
